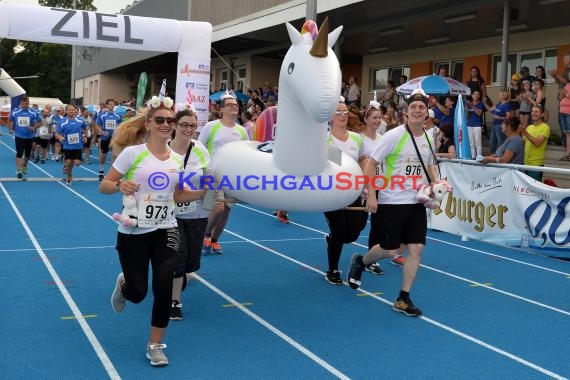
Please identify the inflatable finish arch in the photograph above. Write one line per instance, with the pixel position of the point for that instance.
(192, 40)
(11, 88)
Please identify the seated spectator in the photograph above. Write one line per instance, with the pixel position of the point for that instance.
(447, 143)
(512, 150)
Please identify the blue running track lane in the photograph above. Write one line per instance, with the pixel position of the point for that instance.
(263, 310)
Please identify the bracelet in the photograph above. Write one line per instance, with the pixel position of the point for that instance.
(118, 185)
(498, 160)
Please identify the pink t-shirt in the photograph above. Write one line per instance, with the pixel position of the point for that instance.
(565, 101)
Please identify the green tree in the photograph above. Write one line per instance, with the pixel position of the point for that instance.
(86, 5)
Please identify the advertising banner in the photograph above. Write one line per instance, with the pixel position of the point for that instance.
(498, 204)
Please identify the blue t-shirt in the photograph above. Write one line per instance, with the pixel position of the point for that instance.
(23, 121)
(447, 118)
(501, 110)
(515, 145)
(474, 119)
(72, 131)
(108, 121)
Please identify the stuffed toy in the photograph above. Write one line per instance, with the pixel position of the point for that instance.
(128, 218)
(431, 196)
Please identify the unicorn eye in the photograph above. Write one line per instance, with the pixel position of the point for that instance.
(291, 68)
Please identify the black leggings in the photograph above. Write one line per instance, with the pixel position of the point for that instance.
(345, 227)
(160, 248)
(191, 238)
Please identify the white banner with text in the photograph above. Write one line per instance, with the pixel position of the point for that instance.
(497, 204)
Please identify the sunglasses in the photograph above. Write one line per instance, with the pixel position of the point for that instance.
(159, 120)
(339, 113)
(187, 125)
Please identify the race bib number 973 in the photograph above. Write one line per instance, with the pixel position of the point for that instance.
(155, 210)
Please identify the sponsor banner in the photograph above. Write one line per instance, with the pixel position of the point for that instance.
(193, 85)
(497, 204)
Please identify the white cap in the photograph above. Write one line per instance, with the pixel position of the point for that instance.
(431, 114)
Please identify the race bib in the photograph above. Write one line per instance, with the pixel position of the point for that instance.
(411, 165)
(73, 138)
(110, 124)
(155, 210)
(43, 132)
(23, 121)
(182, 208)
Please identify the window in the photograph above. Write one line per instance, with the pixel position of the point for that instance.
(453, 67)
(241, 74)
(223, 79)
(530, 59)
(379, 76)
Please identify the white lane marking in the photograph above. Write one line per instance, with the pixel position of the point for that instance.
(101, 354)
(273, 329)
(426, 319)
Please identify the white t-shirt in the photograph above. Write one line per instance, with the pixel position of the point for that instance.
(398, 156)
(368, 147)
(215, 135)
(352, 146)
(155, 203)
(198, 162)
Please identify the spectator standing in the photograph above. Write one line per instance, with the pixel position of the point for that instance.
(535, 138)
(564, 115)
(475, 110)
(353, 97)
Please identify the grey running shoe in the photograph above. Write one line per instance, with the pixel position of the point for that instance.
(118, 302)
(155, 355)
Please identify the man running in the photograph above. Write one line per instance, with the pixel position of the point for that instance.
(404, 151)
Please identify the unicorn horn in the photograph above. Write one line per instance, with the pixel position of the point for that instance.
(320, 46)
(162, 92)
(375, 98)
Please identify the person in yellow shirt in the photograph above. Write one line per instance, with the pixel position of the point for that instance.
(535, 139)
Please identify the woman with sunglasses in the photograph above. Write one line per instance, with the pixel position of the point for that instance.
(149, 172)
(344, 225)
(191, 217)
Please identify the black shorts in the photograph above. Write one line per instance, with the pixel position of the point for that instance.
(24, 147)
(87, 143)
(104, 144)
(72, 154)
(43, 143)
(401, 224)
(52, 140)
(189, 251)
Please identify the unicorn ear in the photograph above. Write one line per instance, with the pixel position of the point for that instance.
(333, 36)
(294, 35)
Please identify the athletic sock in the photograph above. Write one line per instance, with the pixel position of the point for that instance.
(404, 295)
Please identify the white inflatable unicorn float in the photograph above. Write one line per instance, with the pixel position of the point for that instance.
(297, 176)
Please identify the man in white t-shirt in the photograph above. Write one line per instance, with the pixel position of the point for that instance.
(404, 152)
(214, 136)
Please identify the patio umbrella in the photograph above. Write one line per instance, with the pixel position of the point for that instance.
(217, 96)
(433, 85)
